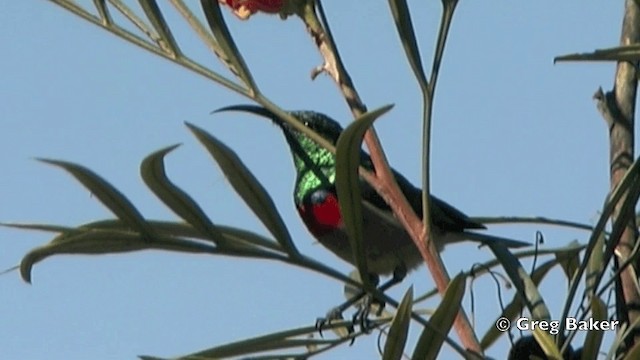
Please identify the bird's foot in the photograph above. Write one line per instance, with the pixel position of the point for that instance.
(361, 317)
(365, 303)
(333, 315)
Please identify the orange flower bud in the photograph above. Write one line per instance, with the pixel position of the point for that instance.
(245, 8)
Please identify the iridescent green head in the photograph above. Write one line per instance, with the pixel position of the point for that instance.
(315, 165)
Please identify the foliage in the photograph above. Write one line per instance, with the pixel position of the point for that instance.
(585, 266)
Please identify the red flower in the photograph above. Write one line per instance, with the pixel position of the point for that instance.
(245, 8)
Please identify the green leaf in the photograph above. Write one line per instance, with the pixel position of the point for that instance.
(432, 337)
(153, 173)
(514, 308)
(480, 269)
(634, 353)
(569, 261)
(404, 25)
(38, 227)
(622, 333)
(593, 340)
(154, 15)
(111, 197)
(595, 265)
(269, 342)
(104, 21)
(348, 160)
(248, 187)
(397, 338)
(525, 287)
(220, 31)
(114, 236)
(103, 10)
(623, 187)
(235, 237)
(618, 53)
(547, 344)
(93, 242)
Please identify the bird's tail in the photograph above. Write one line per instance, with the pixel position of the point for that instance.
(484, 238)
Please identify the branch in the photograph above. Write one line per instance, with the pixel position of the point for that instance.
(618, 108)
(383, 180)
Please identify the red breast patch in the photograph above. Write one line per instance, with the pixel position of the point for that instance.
(321, 212)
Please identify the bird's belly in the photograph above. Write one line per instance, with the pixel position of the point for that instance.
(386, 244)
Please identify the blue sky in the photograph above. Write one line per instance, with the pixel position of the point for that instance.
(514, 134)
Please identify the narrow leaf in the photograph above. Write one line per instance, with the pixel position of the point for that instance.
(111, 197)
(225, 40)
(622, 333)
(595, 265)
(618, 53)
(93, 242)
(441, 321)
(103, 10)
(545, 340)
(484, 267)
(274, 341)
(348, 159)
(593, 340)
(154, 15)
(634, 353)
(153, 173)
(38, 227)
(514, 308)
(404, 25)
(570, 261)
(522, 282)
(397, 338)
(248, 187)
(629, 178)
(235, 237)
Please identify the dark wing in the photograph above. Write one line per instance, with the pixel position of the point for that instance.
(443, 215)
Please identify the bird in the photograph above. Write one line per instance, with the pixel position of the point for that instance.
(388, 247)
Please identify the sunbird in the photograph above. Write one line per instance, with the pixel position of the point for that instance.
(387, 245)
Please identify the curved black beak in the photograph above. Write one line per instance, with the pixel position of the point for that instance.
(290, 134)
(257, 110)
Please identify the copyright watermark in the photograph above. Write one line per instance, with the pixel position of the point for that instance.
(553, 326)
(503, 324)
